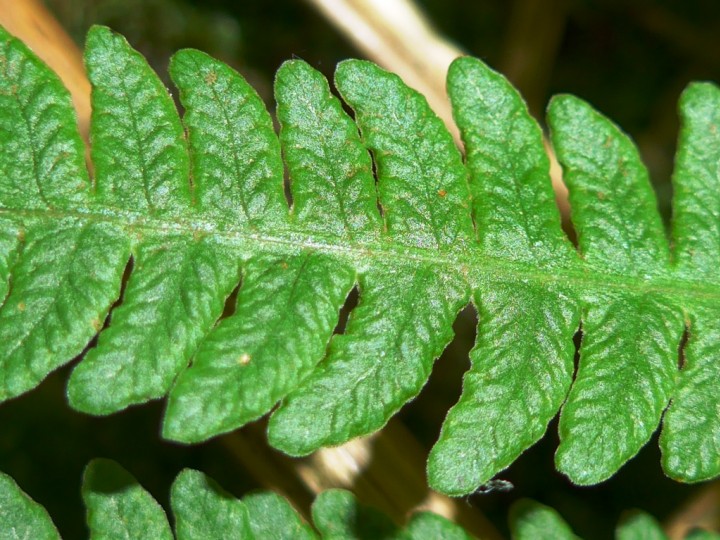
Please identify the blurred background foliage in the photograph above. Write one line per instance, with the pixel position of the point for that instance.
(629, 58)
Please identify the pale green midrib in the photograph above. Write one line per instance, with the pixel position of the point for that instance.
(365, 256)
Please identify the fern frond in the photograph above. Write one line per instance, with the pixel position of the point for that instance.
(191, 210)
(119, 507)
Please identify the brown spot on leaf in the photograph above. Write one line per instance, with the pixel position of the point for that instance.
(21, 306)
(442, 192)
(211, 77)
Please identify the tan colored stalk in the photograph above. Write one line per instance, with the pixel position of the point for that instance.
(30, 21)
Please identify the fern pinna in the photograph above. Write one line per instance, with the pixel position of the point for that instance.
(190, 211)
(119, 507)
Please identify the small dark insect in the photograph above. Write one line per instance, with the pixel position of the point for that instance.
(495, 485)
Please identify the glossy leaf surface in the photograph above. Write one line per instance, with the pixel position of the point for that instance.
(204, 283)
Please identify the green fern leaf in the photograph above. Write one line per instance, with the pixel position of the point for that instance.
(119, 507)
(338, 516)
(202, 509)
(271, 516)
(191, 209)
(530, 520)
(630, 337)
(386, 353)
(64, 270)
(639, 526)
(691, 426)
(179, 285)
(20, 516)
(514, 386)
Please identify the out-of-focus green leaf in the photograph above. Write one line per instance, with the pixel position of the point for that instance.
(639, 526)
(203, 510)
(118, 507)
(530, 520)
(20, 516)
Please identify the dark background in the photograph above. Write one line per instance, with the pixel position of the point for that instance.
(630, 59)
